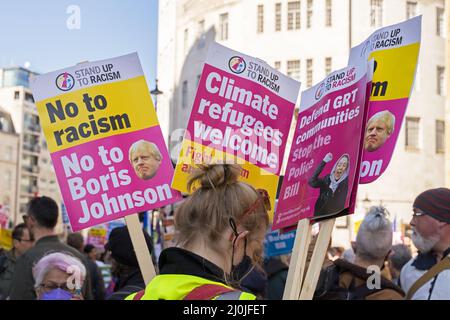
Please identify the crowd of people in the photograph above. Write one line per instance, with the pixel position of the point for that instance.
(220, 230)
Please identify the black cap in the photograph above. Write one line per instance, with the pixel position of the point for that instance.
(121, 246)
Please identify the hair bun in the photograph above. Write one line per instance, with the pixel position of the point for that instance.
(214, 175)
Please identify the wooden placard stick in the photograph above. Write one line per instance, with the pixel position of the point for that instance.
(315, 266)
(298, 260)
(140, 247)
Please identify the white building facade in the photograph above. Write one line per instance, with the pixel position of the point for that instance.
(306, 40)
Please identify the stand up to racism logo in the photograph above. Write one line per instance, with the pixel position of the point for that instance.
(237, 64)
(65, 81)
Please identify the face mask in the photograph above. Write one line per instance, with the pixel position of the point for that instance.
(57, 294)
(241, 270)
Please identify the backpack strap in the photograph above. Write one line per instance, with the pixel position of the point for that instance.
(208, 292)
(442, 265)
(139, 295)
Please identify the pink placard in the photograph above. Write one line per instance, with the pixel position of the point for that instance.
(99, 184)
(322, 173)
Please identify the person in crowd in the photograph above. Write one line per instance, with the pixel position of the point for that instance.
(124, 264)
(41, 219)
(145, 158)
(220, 227)
(91, 252)
(22, 242)
(333, 186)
(59, 276)
(75, 240)
(363, 279)
(277, 270)
(400, 255)
(427, 276)
(379, 128)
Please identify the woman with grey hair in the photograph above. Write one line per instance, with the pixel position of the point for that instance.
(59, 276)
(362, 280)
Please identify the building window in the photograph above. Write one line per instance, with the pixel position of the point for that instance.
(260, 26)
(8, 180)
(440, 22)
(294, 15)
(440, 80)
(411, 9)
(8, 156)
(328, 13)
(16, 95)
(29, 97)
(277, 65)
(224, 26)
(376, 13)
(293, 69)
(309, 72)
(328, 65)
(201, 28)
(186, 40)
(201, 34)
(440, 136)
(278, 17)
(309, 13)
(184, 95)
(412, 133)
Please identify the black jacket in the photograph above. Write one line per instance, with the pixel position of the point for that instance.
(127, 284)
(328, 202)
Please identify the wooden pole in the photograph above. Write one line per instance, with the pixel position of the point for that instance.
(312, 276)
(140, 247)
(298, 261)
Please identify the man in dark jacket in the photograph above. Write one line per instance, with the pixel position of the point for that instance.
(124, 265)
(333, 187)
(41, 219)
(75, 240)
(22, 242)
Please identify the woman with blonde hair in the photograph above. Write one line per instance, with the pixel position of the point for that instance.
(221, 225)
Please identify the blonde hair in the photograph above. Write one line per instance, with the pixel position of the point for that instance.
(220, 196)
(387, 117)
(150, 146)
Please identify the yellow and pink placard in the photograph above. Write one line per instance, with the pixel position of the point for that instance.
(105, 141)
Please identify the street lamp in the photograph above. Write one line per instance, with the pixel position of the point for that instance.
(366, 203)
(156, 92)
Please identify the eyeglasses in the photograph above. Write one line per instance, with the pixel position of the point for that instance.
(418, 213)
(264, 198)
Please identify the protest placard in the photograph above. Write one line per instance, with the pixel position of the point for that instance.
(242, 113)
(97, 236)
(277, 243)
(322, 172)
(396, 50)
(106, 145)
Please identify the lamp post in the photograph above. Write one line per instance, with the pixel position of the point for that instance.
(156, 92)
(366, 203)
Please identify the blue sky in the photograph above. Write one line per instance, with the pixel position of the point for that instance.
(36, 32)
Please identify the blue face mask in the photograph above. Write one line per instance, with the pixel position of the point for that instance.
(57, 294)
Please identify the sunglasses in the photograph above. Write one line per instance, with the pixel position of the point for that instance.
(263, 197)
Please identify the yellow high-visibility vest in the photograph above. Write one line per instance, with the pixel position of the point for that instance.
(178, 286)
